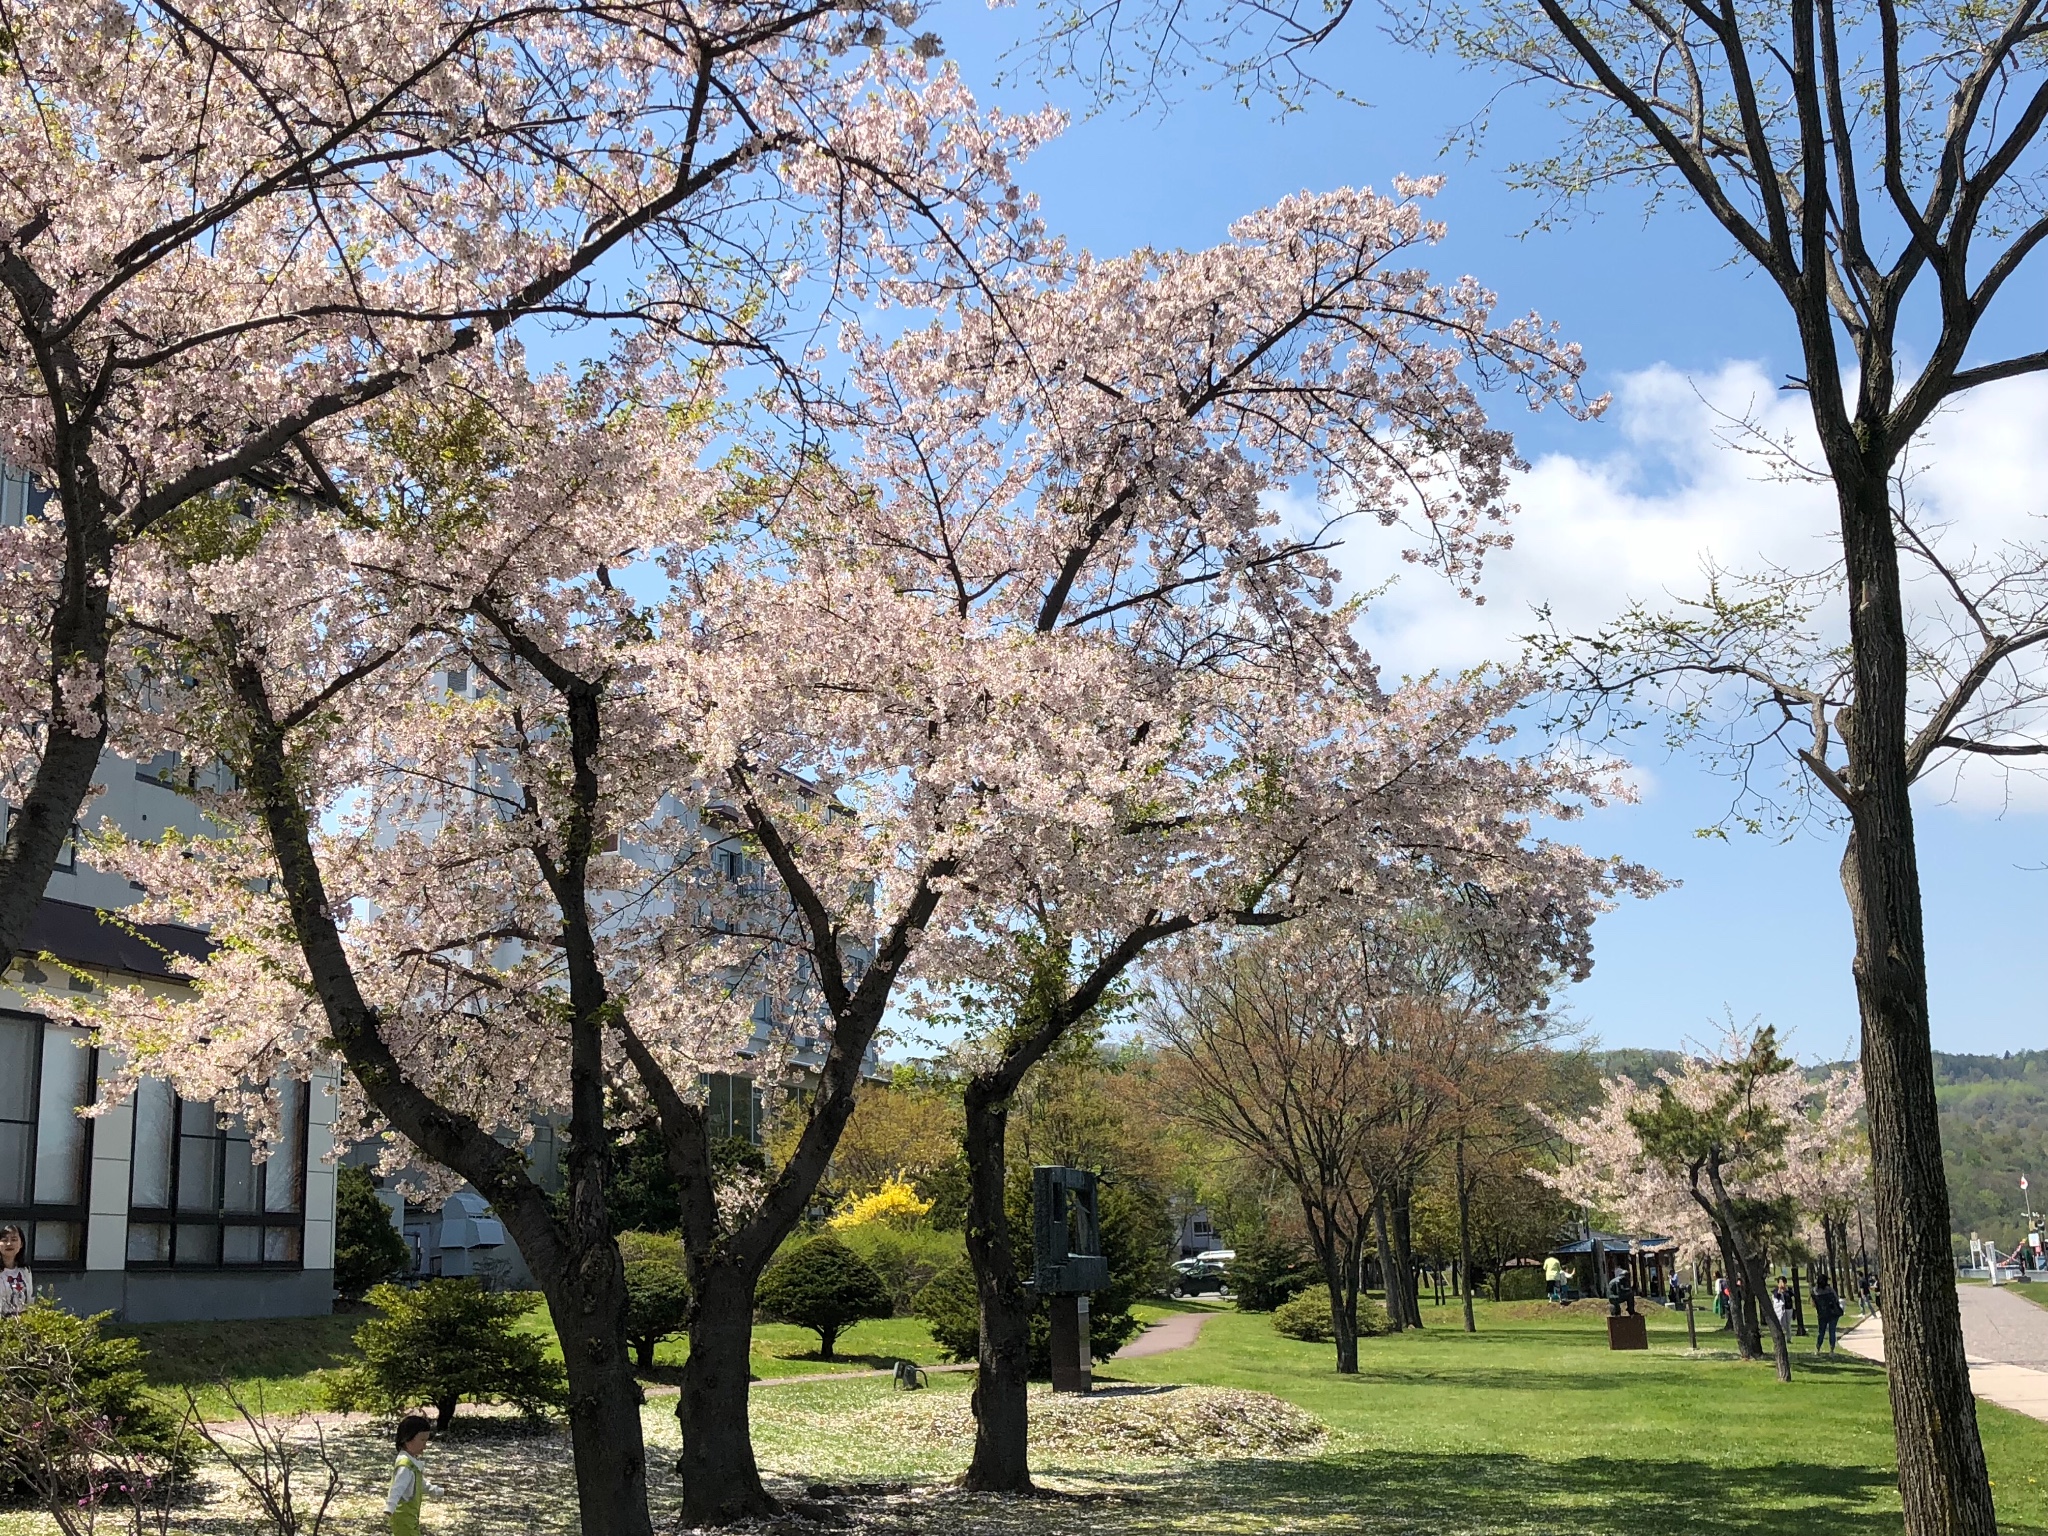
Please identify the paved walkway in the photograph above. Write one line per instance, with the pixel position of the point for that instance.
(2005, 1339)
(1175, 1332)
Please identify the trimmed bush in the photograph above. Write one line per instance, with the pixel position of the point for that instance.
(657, 1292)
(1522, 1283)
(824, 1286)
(951, 1308)
(367, 1248)
(1307, 1317)
(448, 1342)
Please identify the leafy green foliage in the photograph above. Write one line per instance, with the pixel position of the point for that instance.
(448, 1342)
(907, 1260)
(1269, 1270)
(950, 1307)
(657, 1292)
(79, 1389)
(1307, 1317)
(367, 1248)
(825, 1286)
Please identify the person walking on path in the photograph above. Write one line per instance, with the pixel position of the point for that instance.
(1827, 1312)
(409, 1485)
(17, 1280)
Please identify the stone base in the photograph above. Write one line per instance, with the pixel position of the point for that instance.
(1072, 1363)
(1627, 1332)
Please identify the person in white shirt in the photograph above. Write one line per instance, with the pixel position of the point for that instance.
(17, 1280)
(409, 1485)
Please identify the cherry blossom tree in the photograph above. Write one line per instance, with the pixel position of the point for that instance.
(1726, 1155)
(227, 228)
(1089, 466)
(1010, 650)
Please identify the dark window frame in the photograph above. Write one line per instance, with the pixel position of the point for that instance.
(80, 1213)
(214, 1217)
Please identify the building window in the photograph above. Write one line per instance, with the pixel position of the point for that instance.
(46, 1076)
(732, 1105)
(19, 498)
(197, 1197)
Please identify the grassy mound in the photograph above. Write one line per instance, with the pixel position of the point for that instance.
(1149, 1423)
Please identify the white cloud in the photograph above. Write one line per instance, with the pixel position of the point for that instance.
(1661, 488)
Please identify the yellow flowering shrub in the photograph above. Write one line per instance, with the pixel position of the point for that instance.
(894, 1204)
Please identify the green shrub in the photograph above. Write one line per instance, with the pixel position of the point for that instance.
(1522, 1283)
(1307, 1317)
(951, 1308)
(367, 1248)
(907, 1260)
(657, 1292)
(1269, 1271)
(85, 1391)
(822, 1285)
(448, 1342)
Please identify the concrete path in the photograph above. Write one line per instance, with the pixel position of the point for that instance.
(2005, 1339)
(1175, 1332)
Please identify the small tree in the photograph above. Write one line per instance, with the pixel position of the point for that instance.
(657, 1292)
(73, 1403)
(824, 1286)
(448, 1342)
(1270, 1269)
(368, 1250)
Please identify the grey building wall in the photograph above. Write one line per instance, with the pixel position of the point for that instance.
(185, 1296)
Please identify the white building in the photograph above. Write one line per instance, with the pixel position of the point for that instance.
(154, 1210)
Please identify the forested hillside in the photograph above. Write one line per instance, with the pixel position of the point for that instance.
(1994, 1127)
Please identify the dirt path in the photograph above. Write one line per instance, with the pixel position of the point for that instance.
(1175, 1332)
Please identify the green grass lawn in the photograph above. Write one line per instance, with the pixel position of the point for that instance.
(275, 1357)
(1530, 1427)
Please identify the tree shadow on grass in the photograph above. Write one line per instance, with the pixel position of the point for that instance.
(1482, 1495)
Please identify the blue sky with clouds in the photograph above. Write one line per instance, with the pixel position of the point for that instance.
(1624, 507)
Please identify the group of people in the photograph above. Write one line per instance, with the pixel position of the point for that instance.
(1828, 1306)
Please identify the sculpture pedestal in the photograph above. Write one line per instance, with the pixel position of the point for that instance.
(1626, 1332)
(1072, 1366)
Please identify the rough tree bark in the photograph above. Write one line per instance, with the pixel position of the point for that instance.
(575, 1259)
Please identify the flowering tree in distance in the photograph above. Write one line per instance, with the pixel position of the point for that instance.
(227, 227)
(1725, 1154)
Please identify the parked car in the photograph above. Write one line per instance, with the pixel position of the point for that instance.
(1198, 1277)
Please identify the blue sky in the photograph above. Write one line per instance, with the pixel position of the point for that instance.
(1622, 507)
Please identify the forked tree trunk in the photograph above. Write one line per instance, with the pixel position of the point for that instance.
(1401, 1211)
(1001, 1462)
(721, 1481)
(1343, 1307)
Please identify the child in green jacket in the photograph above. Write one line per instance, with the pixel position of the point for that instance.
(409, 1485)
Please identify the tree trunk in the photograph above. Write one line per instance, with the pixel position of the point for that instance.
(604, 1398)
(827, 1339)
(1943, 1482)
(444, 1411)
(643, 1355)
(1465, 1238)
(1002, 1456)
(1400, 1208)
(1798, 1307)
(721, 1482)
(1397, 1316)
(1343, 1323)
